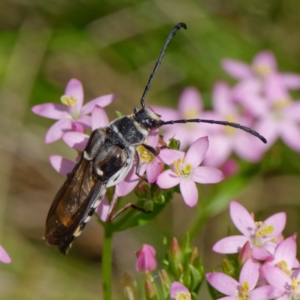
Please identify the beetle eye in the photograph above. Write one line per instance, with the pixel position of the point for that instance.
(135, 110)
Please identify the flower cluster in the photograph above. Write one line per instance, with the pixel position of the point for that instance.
(168, 169)
(181, 276)
(261, 100)
(266, 263)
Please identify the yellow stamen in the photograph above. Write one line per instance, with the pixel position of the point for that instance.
(294, 286)
(181, 169)
(282, 103)
(264, 231)
(283, 266)
(261, 70)
(243, 294)
(230, 130)
(145, 155)
(182, 296)
(68, 100)
(190, 113)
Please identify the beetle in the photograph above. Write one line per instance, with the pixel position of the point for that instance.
(106, 160)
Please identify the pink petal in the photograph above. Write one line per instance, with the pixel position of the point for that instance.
(230, 244)
(76, 140)
(290, 81)
(206, 175)
(236, 68)
(286, 251)
(178, 288)
(269, 129)
(153, 170)
(278, 222)
(167, 179)
(74, 88)
(99, 118)
(128, 184)
(56, 131)
(4, 257)
(250, 86)
(167, 114)
(153, 138)
(102, 101)
(62, 165)
(146, 261)
(189, 191)
(290, 133)
(276, 277)
(168, 156)
(85, 121)
(190, 101)
(241, 218)
(222, 98)
(51, 111)
(267, 59)
(250, 273)
(293, 111)
(223, 283)
(103, 208)
(274, 88)
(196, 152)
(260, 253)
(265, 292)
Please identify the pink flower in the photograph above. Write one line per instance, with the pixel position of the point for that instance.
(287, 285)
(282, 117)
(4, 257)
(71, 115)
(179, 292)
(146, 261)
(185, 170)
(190, 106)
(263, 64)
(261, 235)
(285, 255)
(225, 139)
(152, 164)
(245, 287)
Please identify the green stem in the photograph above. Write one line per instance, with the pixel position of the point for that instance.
(107, 263)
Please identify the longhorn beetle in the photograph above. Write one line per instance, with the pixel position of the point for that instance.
(106, 160)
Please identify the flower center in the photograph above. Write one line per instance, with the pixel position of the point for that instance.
(182, 169)
(264, 230)
(278, 105)
(294, 287)
(182, 296)
(230, 130)
(145, 155)
(68, 100)
(261, 70)
(243, 293)
(191, 114)
(283, 266)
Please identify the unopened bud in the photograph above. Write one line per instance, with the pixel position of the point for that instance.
(174, 249)
(227, 267)
(150, 290)
(245, 253)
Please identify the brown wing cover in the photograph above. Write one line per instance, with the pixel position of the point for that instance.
(72, 203)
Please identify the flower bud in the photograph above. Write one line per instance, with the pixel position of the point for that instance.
(245, 253)
(150, 290)
(146, 261)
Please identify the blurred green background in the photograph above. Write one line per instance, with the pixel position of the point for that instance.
(112, 46)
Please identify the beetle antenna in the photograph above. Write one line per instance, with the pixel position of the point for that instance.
(224, 123)
(162, 53)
